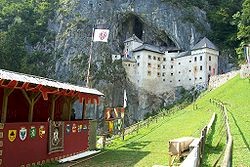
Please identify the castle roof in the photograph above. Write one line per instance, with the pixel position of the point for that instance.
(148, 47)
(133, 38)
(204, 43)
(128, 60)
(183, 54)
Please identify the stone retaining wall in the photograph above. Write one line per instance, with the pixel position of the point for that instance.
(218, 80)
(245, 71)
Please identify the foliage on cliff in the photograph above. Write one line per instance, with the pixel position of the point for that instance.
(24, 39)
(26, 44)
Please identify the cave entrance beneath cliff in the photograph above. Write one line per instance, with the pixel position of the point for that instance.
(138, 28)
(133, 25)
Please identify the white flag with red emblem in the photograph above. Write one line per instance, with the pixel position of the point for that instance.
(101, 35)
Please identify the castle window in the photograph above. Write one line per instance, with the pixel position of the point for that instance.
(172, 59)
(164, 59)
(149, 73)
(200, 58)
(149, 56)
(163, 74)
(154, 58)
(195, 58)
(190, 61)
(179, 72)
(163, 66)
(149, 64)
(172, 74)
(200, 68)
(159, 59)
(179, 63)
(172, 66)
(138, 64)
(158, 74)
(189, 70)
(209, 68)
(129, 65)
(200, 77)
(170, 81)
(158, 66)
(189, 79)
(138, 56)
(209, 58)
(179, 80)
(163, 80)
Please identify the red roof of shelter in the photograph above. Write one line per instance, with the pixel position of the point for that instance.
(41, 84)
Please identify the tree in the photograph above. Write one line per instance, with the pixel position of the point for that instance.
(243, 19)
(23, 24)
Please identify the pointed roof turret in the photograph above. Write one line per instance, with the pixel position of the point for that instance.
(133, 38)
(204, 43)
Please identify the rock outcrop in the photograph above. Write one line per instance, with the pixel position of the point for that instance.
(153, 21)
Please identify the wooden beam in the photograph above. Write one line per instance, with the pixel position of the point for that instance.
(33, 98)
(83, 109)
(70, 101)
(52, 109)
(6, 94)
(26, 96)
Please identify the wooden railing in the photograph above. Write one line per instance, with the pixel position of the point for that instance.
(227, 160)
(195, 157)
(137, 126)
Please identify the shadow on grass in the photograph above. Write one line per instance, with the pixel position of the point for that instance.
(209, 148)
(136, 145)
(116, 158)
(241, 133)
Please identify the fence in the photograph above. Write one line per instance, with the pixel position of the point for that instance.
(137, 126)
(227, 160)
(194, 158)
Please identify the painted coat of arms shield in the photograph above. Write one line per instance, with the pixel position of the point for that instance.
(23, 133)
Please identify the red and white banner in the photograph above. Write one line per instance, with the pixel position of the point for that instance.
(101, 35)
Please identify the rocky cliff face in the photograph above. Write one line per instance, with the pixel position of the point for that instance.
(153, 21)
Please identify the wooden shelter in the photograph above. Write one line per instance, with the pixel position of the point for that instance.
(37, 123)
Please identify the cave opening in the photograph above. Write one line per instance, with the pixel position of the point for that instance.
(132, 24)
(138, 28)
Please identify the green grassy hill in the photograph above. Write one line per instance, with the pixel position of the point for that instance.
(236, 93)
(150, 145)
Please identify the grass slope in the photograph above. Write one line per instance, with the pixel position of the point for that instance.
(236, 93)
(150, 145)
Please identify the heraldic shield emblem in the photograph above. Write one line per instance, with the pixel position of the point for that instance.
(12, 135)
(41, 131)
(22, 133)
(32, 132)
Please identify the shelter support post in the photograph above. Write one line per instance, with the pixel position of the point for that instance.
(70, 101)
(34, 97)
(52, 108)
(83, 109)
(7, 92)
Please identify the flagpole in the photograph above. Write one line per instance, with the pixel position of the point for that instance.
(90, 57)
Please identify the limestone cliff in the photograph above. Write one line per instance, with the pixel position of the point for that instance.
(153, 21)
